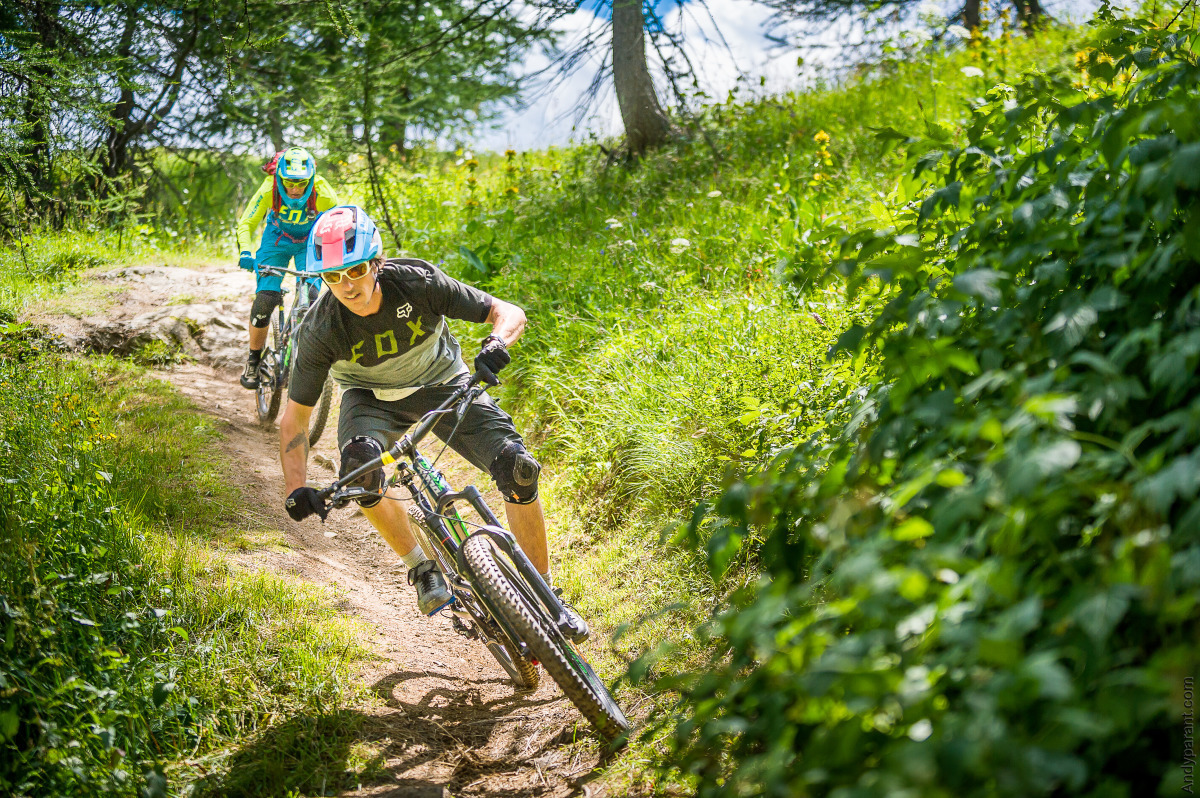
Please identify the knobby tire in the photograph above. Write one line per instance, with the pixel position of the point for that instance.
(546, 642)
(270, 390)
(321, 413)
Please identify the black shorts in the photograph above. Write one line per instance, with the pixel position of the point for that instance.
(480, 436)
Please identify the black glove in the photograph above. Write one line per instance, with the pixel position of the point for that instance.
(493, 357)
(303, 502)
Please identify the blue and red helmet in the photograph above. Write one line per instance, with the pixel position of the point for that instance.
(295, 164)
(342, 237)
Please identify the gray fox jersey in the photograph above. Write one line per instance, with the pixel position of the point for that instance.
(395, 351)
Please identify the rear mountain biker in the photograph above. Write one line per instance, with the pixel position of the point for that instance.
(290, 199)
(381, 331)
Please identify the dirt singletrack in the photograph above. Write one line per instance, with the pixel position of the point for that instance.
(449, 722)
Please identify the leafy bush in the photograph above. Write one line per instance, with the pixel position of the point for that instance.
(987, 583)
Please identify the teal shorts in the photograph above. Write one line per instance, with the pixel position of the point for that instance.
(276, 251)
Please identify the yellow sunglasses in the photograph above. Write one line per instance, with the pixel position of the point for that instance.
(354, 272)
(293, 183)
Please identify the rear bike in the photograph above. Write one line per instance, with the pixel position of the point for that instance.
(498, 597)
(275, 366)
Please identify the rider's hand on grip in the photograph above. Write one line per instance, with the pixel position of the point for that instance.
(306, 501)
(491, 359)
(246, 261)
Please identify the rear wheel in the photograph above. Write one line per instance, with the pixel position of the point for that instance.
(506, 594)
(269, 392)
(321, 414)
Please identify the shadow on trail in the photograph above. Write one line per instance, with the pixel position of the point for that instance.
(447, 736)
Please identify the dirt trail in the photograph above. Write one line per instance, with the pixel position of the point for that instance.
(452, 722)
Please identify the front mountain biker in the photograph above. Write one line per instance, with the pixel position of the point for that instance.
(290, 199)
(383, 336)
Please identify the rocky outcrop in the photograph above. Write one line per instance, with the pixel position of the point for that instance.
(199, 313)
(210, 334)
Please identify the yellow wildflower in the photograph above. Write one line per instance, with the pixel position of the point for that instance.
(822, 137)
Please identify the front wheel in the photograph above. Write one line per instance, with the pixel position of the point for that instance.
(503, 591)
(321, 414)
(523, 672)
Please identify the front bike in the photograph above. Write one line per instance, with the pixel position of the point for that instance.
(499, 598)
(275, 366)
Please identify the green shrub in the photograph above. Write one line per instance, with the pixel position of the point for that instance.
(987, 583)
(159, 353)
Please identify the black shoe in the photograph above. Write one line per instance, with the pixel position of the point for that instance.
(576, 627)
(432, 593)
(249, 378)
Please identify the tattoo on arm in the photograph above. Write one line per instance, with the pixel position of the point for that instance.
(301, 439)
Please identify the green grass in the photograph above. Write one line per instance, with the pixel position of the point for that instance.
(134, 647)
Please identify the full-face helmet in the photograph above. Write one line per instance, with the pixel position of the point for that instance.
(295, 165)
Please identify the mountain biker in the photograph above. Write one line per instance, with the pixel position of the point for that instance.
(290, 198)
(381, 331)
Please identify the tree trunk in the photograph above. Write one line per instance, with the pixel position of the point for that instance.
(970, 15)
(35, 148)
(646, 124)
(276, 130)
(1029, 14)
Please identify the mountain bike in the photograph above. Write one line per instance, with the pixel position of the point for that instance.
(275, 367)
(498, 597)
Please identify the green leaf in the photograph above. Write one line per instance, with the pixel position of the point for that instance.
(913, 528)
(9, 722)
(473, 260)
(980, 283)
(161, 691)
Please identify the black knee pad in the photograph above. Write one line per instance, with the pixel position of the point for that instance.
(264, 305)
(516, 473)
(360, 451)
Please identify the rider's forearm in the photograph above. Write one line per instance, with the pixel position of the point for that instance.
(293, 446)
(508, 321)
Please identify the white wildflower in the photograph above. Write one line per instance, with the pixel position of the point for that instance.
(972, 72)
(959, 31)
(920, 730)
(714, 193)
(613, 224)
(679, 245)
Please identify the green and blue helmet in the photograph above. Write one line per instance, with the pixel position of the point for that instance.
(295, 164)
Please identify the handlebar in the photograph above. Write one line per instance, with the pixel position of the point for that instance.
(457, 403)
(281, 270)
